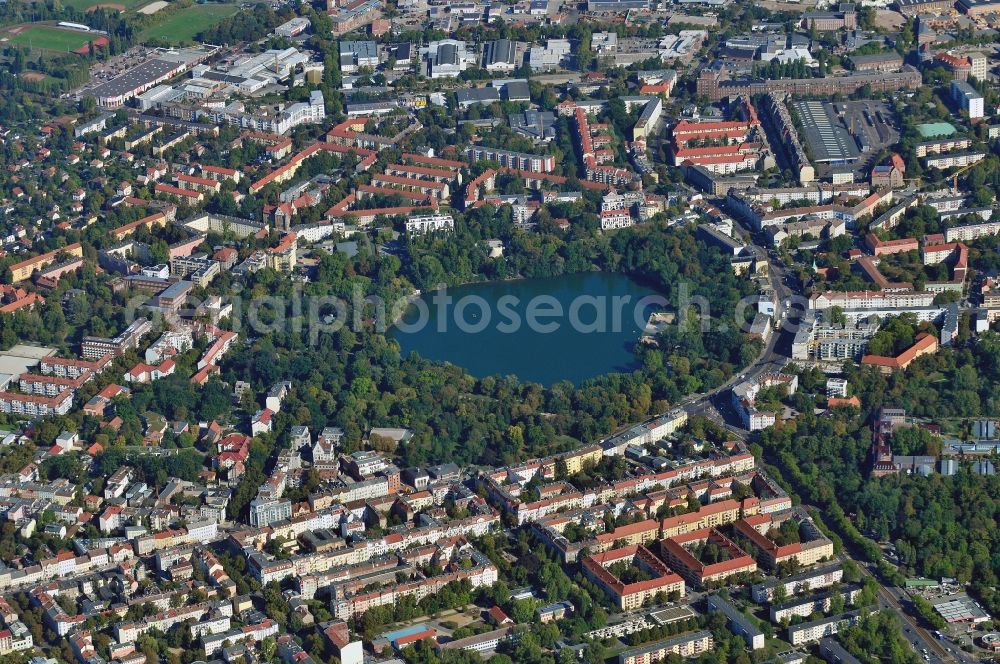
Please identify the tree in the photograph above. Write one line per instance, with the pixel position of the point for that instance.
(837, 603)
(926, 611)
(268, 647)
(62, 466)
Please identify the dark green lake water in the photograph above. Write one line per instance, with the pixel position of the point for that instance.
(523, 332)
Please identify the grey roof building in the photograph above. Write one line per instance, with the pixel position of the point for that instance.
(536, 125)
(467, 98)
(834, 653)
(915, 465)
(984, 429)
(514, 90)
(357, 54)
(616, 5)
(738, 621)
(499, 55)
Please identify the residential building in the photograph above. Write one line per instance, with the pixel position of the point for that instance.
(265, 510)
(821, 576)
(968, 98)
(744, 394)
(805, 606)
(815, 630)
(738, 622)
(680, 552)
(509, 159)
(954, 159)
(630, 596)
(421, 224)
(685, 645)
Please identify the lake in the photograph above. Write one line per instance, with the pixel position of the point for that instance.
(572, 327)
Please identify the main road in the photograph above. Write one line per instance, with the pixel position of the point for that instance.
(714, 404)
(923, 641)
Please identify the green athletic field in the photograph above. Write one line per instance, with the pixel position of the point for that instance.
(182, 26)
(51, 38)
(122, 5)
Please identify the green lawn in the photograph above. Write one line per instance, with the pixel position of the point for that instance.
(84, 5)
(52, 39)
(182, 26)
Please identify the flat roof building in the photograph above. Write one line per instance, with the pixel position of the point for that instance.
(816, 629)
(960, 608)
(467, 98)
(600, 6)
(819, 577)
(134, 81)
(968, 98)
(829, 139)
(739, 623)
(357, 54)
(834, 653)
(685, 645)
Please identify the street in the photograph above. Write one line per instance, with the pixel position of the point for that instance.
(716, 406)
(891, 598)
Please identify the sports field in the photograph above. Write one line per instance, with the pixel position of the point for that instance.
(50, 38)
(182, 26)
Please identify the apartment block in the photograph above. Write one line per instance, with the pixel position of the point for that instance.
(819, 577)
(815, 630)
(738, 622)
(804, 607)
(630, 596)
(685, 645)
(812, 547)
(508, 159)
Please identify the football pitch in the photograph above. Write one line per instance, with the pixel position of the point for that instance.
(50, 38)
